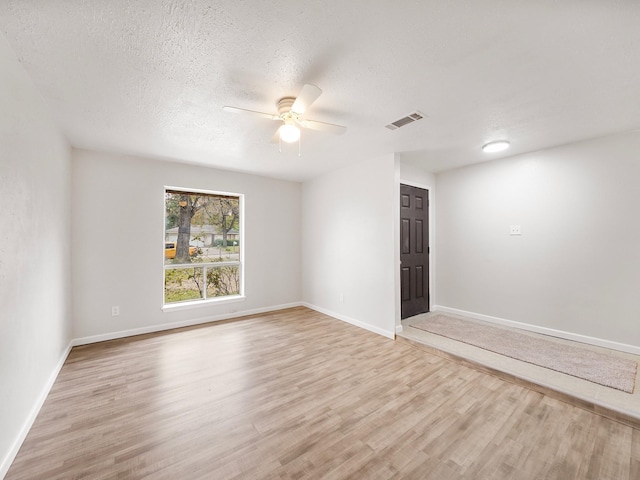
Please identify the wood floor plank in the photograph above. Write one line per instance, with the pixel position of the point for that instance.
(296, 394)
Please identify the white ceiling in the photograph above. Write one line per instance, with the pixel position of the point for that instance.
(150, 77)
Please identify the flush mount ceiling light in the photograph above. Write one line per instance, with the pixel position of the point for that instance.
(496, 146)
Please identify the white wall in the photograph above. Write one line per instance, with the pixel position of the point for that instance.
(410, 174)
(348, 237)
(576, 267)
(118, 233)
(34, 253)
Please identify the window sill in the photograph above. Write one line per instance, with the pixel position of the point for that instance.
(172, 307)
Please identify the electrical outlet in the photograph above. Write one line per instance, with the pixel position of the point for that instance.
(115, 311)
(515, 230)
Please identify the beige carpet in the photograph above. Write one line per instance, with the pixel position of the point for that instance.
(601, 368)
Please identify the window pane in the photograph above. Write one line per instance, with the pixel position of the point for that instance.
(223, 281)
(201, 227)
(181, 284)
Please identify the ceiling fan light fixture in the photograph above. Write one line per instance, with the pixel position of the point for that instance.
(289, 133)
(497, 146)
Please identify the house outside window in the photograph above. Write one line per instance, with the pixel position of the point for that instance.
(203, 250)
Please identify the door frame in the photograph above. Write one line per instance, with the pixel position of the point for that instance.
(432, 249)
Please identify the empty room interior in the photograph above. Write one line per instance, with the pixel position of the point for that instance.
(328, 181)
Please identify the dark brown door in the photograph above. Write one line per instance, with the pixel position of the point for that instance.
(414, 250)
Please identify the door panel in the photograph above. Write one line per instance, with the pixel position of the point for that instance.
(414, 250)
(406, 284)
(406, 237)
(419, 236)
(419, 281)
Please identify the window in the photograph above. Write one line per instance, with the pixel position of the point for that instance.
(202, 245)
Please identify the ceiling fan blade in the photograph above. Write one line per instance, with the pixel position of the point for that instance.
(307, 96)
(323, 127)
(270, 116)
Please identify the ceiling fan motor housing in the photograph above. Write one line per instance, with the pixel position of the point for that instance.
(284, 105)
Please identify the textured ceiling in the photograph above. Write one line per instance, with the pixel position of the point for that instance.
(150, 77)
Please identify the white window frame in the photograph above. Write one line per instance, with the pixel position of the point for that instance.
(204, 301)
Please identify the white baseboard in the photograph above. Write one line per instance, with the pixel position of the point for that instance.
(185, 323)
(33, 413)
(398, 329)
(352, 321)
(599, 342)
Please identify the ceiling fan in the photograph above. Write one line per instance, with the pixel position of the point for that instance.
(290, 113)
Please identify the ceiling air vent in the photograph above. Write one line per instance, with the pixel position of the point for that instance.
(412, 117)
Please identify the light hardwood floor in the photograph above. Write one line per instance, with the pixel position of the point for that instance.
(296, 394)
